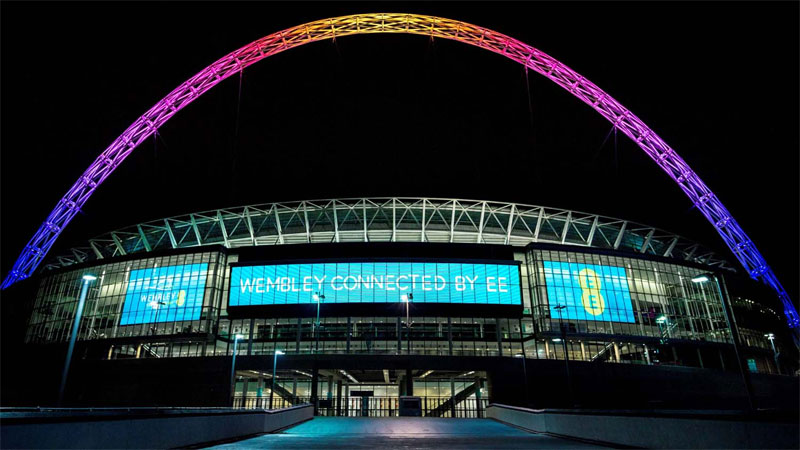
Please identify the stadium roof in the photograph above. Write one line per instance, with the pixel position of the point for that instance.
(388, 219)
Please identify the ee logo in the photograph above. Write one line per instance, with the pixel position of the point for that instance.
(593, 301)
(181, 298)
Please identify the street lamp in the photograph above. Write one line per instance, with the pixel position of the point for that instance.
(406, 298)
(88, 278)
(236, 339)
(703, 278)
(317, 298)
(274, 365)
(771, 338)
(563, 341)
(157, 306)
(662, 322)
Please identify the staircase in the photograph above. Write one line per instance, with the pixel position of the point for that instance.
(451, 403)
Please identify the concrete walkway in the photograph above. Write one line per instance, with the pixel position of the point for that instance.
(404, 433)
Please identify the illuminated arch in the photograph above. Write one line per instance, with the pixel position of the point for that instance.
(534, 59)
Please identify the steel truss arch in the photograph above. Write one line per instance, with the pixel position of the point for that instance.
(625, 121)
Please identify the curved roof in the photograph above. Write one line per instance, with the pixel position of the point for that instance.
(388, 219)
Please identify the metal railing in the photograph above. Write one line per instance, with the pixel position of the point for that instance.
(374, 406)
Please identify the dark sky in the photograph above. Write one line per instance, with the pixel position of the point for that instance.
(399, 115)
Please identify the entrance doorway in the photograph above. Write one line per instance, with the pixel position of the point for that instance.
(367, 393)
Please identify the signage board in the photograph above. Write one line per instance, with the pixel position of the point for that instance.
(164, 294)
(376, 282)
(588, 292)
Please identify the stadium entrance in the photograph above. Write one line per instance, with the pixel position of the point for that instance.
(367, 393)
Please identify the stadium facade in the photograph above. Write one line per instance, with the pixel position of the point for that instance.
(458, 302)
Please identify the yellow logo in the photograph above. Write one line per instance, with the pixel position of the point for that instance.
(593, 302)
(181, 298)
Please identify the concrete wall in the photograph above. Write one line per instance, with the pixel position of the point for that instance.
(633, 386)
(667, 430)
(140, 428)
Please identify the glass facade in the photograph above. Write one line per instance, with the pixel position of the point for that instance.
(655, 299)
(382, 399)
(588, 306)
(170, 295)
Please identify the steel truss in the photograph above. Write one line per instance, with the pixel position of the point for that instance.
(388, 220)
(625, 121)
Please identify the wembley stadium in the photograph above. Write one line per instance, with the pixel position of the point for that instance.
(355, 304)
(352, 303)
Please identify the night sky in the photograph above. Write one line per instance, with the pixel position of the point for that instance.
(401, 115)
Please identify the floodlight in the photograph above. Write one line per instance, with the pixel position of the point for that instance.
(700, 278)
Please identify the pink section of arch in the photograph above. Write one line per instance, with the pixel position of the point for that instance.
(536, 60)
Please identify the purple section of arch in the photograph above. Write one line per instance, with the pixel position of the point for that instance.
(666, 158)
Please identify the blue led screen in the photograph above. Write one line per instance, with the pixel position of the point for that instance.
(375, 282)
(589, 292)
(164, 294)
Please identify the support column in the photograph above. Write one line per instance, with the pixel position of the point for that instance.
(489, 388)
(399, 337)
(260, 392)
(583, 351)
(338, 398)
(299, 332)
(478, 406)
(700, 358)
(616, 352)
(499, 337)
(245, 382)
(314, 389)
(329, 396)
(452, 397)
(450, 335)
(409, 382)
(347, 400)
(722, 360)
(647, 355)
(349, 333)
(250, 336)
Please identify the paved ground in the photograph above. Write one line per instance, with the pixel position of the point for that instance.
(400, 433)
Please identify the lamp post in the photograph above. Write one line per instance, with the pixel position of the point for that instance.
(274, 366)
(157, 306)
(702, 278)
(406, 298)
(317, 298)
(88, 278)
(563, 340)
(662, 321)
(233, 367)
(771, 337)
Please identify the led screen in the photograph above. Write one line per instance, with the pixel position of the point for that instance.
(589, 292)
(164, 294)
(376, 282)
